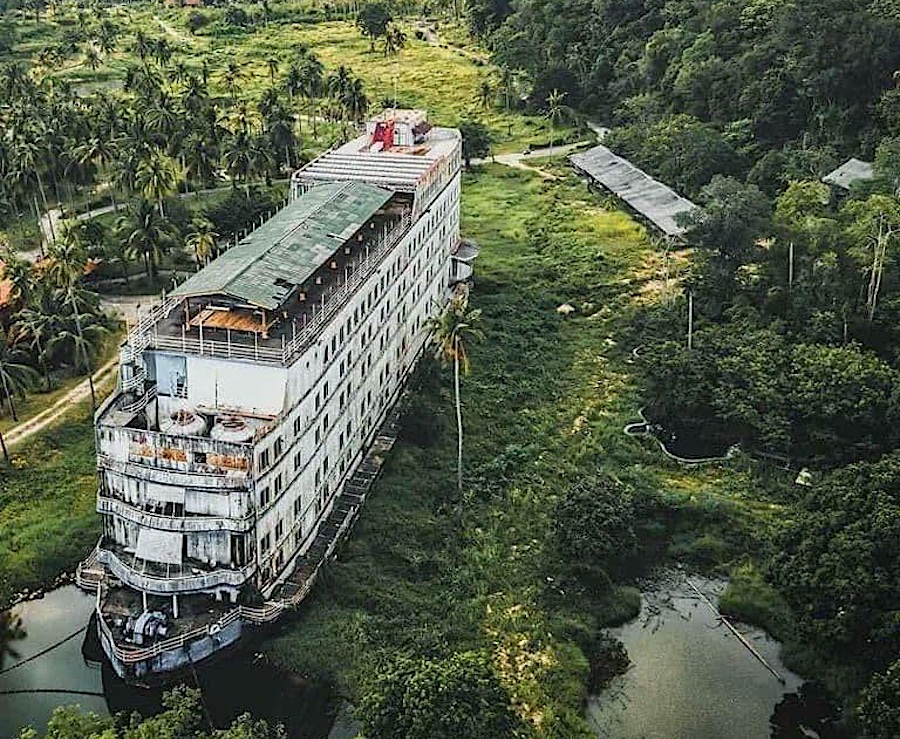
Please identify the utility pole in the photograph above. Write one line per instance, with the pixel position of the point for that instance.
(790, 266)
(690, 343)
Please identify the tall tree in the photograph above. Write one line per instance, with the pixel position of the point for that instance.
(16, 374)
(450, 330)
(157, 178)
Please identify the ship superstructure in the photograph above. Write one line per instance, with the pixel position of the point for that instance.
(250, 397)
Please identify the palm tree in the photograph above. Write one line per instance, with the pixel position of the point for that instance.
(15, 372)
(232, 74)
(34, 326)
(147, 234)
(394, 40)
(272, 67)
(92, 57)
(554, 113)
(10, 625)
(279, 127)
(67, 258)
(201, 240)
(485, 94)
(20, 272)
(157, 178)
(141, 45)
(354, 100)
(102, 151)
(80, 343)
(200, 157)
(450, 329)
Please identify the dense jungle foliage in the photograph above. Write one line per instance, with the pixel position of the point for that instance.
(743, 106)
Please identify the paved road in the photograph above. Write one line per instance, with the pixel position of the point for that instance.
(126, 306)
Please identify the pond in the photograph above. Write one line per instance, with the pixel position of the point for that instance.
(691, 678)
(73, 672)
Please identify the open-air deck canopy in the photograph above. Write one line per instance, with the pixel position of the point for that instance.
(269, 264)
(653, 200)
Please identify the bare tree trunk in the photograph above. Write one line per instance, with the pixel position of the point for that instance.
(3, 447)
(9, 397)
(459, 427)
(87, 360)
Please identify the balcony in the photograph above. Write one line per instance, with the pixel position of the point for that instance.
(174, 460)
(163, 579)
(145, 469)
(182, 524)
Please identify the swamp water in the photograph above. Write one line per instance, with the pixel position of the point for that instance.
(73, 673)
(691, 678)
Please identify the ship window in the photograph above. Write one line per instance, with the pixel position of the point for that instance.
(279, 446)
(264, 459)
(297, 461)
(298, 504)
(298, 424)
(264, 497)
(279, 530)
(277, 484)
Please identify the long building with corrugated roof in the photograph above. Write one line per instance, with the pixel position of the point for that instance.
(237, 448)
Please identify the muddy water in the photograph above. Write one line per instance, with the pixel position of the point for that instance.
(693, 679)
(231, 687)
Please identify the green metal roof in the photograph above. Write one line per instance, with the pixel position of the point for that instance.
(288, 248)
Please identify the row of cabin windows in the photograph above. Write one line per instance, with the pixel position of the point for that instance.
(321, 474)
(265, 457)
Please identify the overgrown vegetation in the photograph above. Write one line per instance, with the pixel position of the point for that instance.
(48, 517)
(429, 574)
(183, 715)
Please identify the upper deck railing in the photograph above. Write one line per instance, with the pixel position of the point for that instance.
(145, 333)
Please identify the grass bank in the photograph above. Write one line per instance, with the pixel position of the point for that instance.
(427, 573)
(47, 504)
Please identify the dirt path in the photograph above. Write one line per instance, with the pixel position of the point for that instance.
(519, 160)
(82, 391)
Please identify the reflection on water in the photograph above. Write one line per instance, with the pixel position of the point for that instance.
(74, 673)
(692, 679)
(47, 621)
(11, 631)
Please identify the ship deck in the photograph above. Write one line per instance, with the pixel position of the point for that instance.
(198, 612)
(193, 320)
